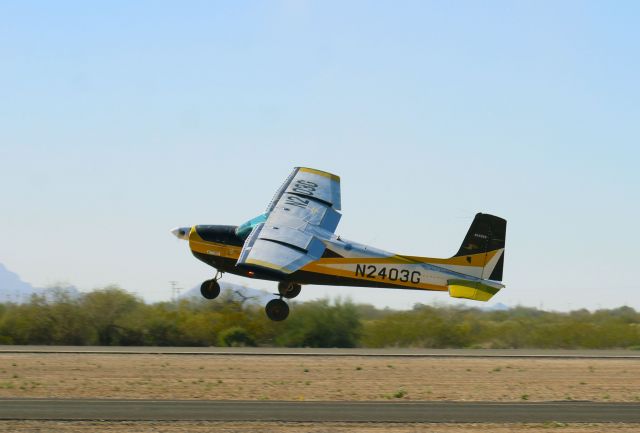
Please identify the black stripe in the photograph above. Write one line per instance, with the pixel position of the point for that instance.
(312, 197)
(496, 275)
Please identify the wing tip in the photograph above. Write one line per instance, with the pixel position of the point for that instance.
(331, 176)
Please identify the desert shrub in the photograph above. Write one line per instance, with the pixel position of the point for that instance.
(321, 324)
(111, 316)
(235, 337)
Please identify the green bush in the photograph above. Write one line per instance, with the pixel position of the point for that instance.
(235, 337)
(111, 316)
(321, 324)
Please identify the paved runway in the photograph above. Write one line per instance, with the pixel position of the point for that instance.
(197, 410)
(283, 351)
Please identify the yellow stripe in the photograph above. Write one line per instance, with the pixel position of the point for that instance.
(199, 245)
(478, 260)
(349, 260)
(268, 265)
(320, 173)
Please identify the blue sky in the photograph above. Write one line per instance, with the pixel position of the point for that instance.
(122, 120)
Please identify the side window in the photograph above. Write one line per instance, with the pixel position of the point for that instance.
(245, 229)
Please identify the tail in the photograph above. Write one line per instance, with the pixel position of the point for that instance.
(479, 261)
(486, 236)
(483, 247)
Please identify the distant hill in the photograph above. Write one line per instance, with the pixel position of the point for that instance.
(497, 307)
(13, 289)
(239, 291)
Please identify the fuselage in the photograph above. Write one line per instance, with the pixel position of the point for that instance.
(344, 263)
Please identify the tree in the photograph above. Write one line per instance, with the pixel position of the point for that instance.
(319, 324)
(107, 310)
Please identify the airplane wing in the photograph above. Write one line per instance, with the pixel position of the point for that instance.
(303, 211)
(308, 182)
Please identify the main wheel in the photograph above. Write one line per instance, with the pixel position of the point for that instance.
(277, 310)
(288, 289)
(210, 289)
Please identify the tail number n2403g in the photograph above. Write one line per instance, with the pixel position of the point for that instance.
(391, 274)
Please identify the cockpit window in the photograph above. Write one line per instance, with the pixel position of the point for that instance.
(243, 230)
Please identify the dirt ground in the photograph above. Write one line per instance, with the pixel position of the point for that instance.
(315, 378)
(198, 427)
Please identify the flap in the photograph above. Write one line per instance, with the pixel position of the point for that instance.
(287, 235)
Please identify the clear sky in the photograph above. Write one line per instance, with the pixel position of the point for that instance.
(120, 120)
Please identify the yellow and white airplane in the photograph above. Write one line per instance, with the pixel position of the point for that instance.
(294, 243)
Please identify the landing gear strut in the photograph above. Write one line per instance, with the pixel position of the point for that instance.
(277, 310)
(210, 289)
(289, 289)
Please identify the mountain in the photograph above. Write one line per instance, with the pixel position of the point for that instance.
(497, 307)
(13, 289)
(239, 291)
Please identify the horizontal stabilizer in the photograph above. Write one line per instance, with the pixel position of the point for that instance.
(474, 290)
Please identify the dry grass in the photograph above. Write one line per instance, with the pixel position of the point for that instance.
(315, 378)
(244, 427)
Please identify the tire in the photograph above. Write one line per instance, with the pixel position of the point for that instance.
(210, 289)
(288, 289)
(277, 310)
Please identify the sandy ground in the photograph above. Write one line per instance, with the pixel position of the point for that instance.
(197, 427)
(315, 378)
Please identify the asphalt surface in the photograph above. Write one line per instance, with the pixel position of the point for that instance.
(434, 412)
(282, 351)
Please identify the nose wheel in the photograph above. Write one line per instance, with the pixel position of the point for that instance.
(277, 310)
(210, 289)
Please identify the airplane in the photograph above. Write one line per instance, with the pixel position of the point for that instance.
(294, 243)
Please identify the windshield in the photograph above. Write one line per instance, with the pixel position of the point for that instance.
(243, 230)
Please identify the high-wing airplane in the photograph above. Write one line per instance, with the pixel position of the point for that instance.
(294, 243)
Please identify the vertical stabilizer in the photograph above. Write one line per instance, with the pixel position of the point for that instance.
(486, 236)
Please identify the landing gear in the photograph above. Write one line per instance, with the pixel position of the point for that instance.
(289, 289)
(210, 289)
(277, 310)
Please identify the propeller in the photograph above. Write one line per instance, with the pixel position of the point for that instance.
(181, 232)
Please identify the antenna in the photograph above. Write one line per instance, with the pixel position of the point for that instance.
(175, 290)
